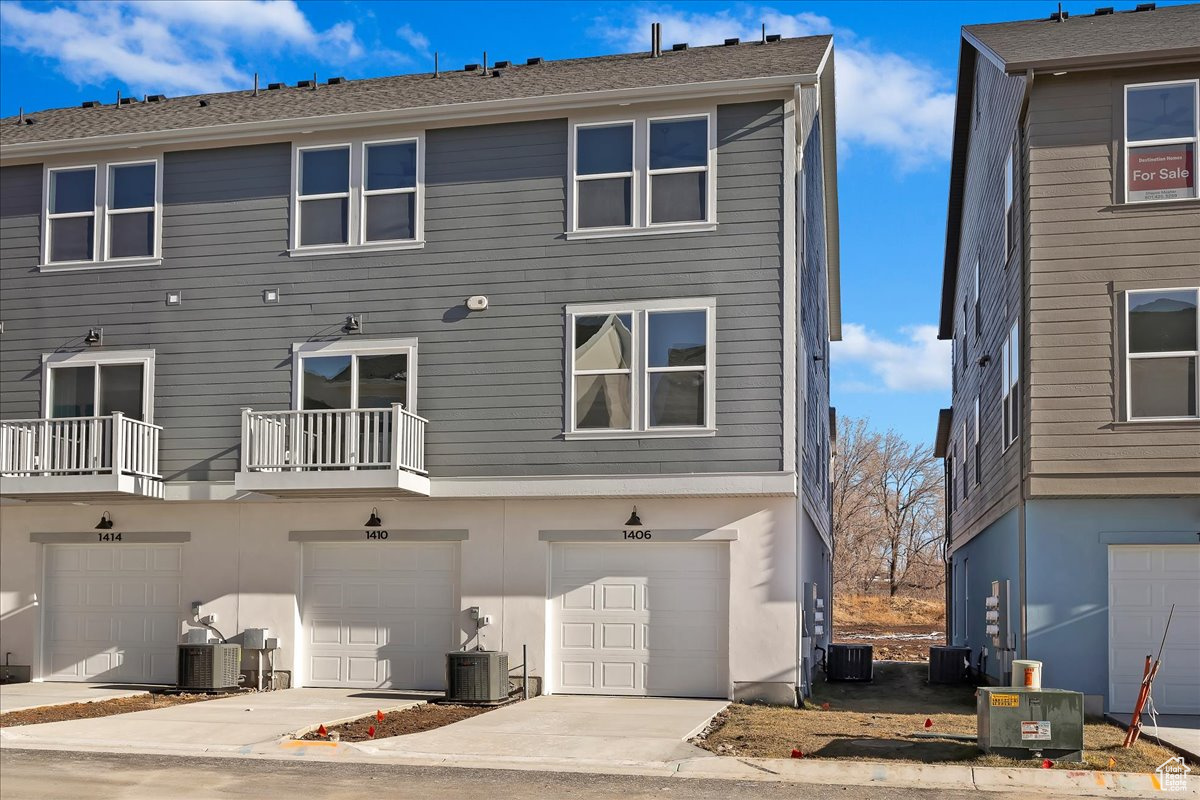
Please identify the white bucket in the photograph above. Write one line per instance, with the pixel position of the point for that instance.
(1027, 674)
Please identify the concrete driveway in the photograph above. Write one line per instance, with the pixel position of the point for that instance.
(18, 696)
(229, 723)
(634, 730)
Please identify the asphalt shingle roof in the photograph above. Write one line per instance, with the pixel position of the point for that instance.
(571, 76)
(1091, 37)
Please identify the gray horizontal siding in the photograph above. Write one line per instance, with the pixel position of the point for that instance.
(492, 383)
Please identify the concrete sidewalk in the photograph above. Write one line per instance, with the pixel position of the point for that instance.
(20, 696)
(230, 723)
(600, 729)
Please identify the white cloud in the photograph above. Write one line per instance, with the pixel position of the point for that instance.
(920, 364)
(884, 100)
(414, 39)
(177, 47)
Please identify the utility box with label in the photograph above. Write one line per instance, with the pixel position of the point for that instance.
(1021, 722)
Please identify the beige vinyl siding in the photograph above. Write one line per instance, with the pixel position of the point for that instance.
(1084, 251)
(983, 236)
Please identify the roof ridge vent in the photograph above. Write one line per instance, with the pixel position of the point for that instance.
(128, 101)
(471, 68)
(277, 85)
(533, 62)
(679, 46)
(1145, 7)
(731, 42)
(335, 81)
(90, 104)
(502, 64)
(1060, 15)
(306, 84)
(773, 37)
(155, 98)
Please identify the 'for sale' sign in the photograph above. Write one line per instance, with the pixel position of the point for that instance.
(1163, 172)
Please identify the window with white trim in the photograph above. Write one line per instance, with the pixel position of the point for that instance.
(104, 213)
(978, 308)
(1010, 217)
(1010, 375)
(976, 445)
(1162, 348)
(963, 437)
(365, 194)
(641, 368)
(1162, 130)
(98, 385)
(360, 375)
(640, 174)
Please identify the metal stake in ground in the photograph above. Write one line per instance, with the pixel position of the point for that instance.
(1135, 722)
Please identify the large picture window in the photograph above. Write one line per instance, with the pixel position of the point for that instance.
(124, 197)
(359, 195)
(1162, 128)
(641, 174)
(1162, 347)
(641, 369)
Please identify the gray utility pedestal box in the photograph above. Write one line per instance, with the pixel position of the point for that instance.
(1019, 722)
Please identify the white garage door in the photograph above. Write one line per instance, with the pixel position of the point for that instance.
(113, 612)
(1143, 582)
(640, 619)
(380, 614)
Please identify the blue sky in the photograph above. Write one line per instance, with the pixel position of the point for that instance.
(896, 71)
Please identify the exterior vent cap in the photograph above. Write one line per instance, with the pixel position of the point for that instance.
(496, 73)
(679, 46)
(1104, 12)
(731, 42)
(203, 103)
(1059, 16)
(30, 120)
(274, 86)
(90, 104)
(1145, 7)
(335, 81)
(773, 37)
(155, 98)
(470, 68)
(503, 64)
(128, 101)
(533, 62)
(308, 84)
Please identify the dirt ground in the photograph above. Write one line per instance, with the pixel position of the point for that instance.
(880, 720)
(892, 642)
(397, 723)
(100, 708)
(897, 628)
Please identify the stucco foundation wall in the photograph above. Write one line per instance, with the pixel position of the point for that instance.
(815, 567)
(989, 556)
(1068, 543)
(240, 564)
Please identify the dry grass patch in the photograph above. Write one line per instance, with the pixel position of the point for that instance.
(875, 611)
(880, 721)
(100, 708)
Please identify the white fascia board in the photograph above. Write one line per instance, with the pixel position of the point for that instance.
(427, 116)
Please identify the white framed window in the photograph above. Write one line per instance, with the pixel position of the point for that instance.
(1010, 219)
(641, 369)
(964, 451)
(98, 384)
(106, 214)
(1010, 376)
(354, 375)
(644, 174)
(976, 446)
(1162, 351)
(1162, 130)
(978, 306)
(360, 195)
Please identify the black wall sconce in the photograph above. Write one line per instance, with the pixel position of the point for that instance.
(95, 337)
(374, 521)
(105, 523)
(634, 520)
(353, 325)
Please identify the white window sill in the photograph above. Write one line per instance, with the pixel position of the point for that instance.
(338, 249)
(1156, 420)
(672, 433)
(75, 266)
(653, 230)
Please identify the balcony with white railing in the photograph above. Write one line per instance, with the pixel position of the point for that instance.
(333, 451)
(79, 456)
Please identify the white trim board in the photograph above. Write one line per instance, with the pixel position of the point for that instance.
(392, 535)
(650, 535)
(127, 537)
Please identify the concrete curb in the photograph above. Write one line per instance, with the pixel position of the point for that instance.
(1037, 782)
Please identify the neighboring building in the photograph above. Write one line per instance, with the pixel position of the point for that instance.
(1070, 295)
(238, 326)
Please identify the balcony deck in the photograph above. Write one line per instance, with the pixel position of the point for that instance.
(78, 458)
(335, 452)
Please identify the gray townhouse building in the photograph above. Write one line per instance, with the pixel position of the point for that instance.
(524, 354)
(1072, 280)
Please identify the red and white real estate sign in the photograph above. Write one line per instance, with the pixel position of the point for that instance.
(1163, 172)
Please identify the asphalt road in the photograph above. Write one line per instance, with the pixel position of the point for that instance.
(43, 775)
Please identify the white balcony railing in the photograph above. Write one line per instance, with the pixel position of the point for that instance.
(73, 446)
(333, 440)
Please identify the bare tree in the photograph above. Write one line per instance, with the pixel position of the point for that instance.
(887, 513)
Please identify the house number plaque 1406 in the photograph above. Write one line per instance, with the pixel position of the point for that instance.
(632, 535)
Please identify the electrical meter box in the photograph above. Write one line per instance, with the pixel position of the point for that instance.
(255, 638)
(996, 622)
(1019, 722)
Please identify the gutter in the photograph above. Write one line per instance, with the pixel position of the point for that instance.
(406, 116)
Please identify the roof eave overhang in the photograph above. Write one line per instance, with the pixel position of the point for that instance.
(1178, 55)
(958, 166)
(941, 440)
(833, 250)
(435, 114)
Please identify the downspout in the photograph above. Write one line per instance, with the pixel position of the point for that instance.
(1022, 545)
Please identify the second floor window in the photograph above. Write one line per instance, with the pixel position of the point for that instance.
(1161, 352)
(1010, 375)
(375, 376)
(642, 173)
(1162, 129)
(101, 213)
(977, 446)
(86, 386)
(1010, 217)
(641, 368)
(365, 194)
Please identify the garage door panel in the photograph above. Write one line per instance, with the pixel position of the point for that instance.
(378, 618)
(623, 612)
(1144, 582)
